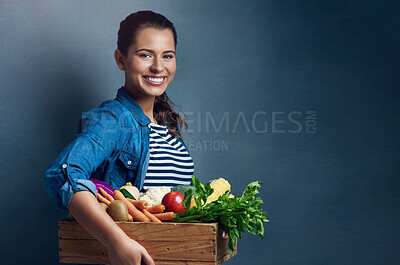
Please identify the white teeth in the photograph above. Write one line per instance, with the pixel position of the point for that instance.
(153, 79)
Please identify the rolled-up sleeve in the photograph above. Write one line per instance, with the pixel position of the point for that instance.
(98, 133)
(67, 190)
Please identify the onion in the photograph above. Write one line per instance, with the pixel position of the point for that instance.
(101, 184)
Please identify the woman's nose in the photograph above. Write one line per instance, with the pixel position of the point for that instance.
(157, 65)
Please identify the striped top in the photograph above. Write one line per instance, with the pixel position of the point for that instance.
(170, 163)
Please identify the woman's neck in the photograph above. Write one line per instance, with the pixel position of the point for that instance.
(145, 102)
(147, 105)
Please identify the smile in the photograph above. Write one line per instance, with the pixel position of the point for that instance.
(155, 81)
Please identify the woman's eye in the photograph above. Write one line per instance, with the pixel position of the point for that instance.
(167, 56)
(145, 55)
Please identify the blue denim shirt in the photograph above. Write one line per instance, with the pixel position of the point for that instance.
(112, 145)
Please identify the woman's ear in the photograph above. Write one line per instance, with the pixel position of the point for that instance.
(119, 59)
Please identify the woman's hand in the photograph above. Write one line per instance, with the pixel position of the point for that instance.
(129, 252)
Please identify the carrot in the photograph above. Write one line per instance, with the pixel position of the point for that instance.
(165, 216)
(141, 204)
(102, 199)
(130, 218)
(151, 216)
(137, 215)
(106, 195)
(156, 209)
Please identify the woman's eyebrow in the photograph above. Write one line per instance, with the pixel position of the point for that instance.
(169, 51)
(151, 51)
(145, 50)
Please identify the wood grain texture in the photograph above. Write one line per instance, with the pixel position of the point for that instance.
(147, 231)
(222, 247)
(167, 243)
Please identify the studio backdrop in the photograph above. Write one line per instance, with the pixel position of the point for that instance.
(300, 95)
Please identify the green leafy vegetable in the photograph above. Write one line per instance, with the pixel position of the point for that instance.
(235, 215)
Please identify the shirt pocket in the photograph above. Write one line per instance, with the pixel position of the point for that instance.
(130, 161)
(125, 168)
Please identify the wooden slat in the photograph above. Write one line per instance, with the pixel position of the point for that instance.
(147, 231)
(79, 251)
(167, 243)
(82, 251)
(222, 248)
(182, 262)
(186, 250)
(225, 255)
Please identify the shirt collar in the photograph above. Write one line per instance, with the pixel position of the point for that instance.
(127, 100)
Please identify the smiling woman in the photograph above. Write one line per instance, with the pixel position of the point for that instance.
(149, 66)
(133, 138)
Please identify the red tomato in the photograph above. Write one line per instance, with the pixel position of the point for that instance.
(173, 202)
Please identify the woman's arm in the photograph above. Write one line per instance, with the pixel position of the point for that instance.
(121, 248)
(99, 131)
(68, 184)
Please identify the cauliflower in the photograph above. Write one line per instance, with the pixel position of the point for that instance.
(154, 195)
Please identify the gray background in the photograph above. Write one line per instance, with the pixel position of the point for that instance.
(251, 68)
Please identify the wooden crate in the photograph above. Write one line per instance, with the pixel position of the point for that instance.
(167, 243)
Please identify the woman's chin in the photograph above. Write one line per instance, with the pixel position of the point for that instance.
(155, 92)
(146, 92)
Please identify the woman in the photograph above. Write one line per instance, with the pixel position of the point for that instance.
(134, 137)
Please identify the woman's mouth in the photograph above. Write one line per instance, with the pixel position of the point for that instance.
(155, 80)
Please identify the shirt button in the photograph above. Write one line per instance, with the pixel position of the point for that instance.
(64, 166)
(129, 162)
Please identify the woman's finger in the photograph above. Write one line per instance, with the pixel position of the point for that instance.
(146, 259)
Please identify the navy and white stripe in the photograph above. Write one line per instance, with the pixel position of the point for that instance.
(170, 163)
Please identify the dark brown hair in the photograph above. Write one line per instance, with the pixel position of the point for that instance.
(129, 27)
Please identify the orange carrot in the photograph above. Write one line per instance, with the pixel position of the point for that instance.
(130, 218)
(137, 215)
(102, 199)
(165, 216)
(156, 209)
(141, 204)
(151, 216)
(106, 195)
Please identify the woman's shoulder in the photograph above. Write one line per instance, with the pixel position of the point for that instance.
(112, 107)
(111, 112)
(108, 109)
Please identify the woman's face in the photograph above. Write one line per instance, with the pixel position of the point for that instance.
(150, 64)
